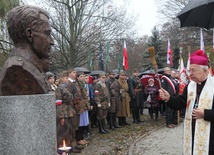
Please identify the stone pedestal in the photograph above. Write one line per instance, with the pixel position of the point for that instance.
(28, 125)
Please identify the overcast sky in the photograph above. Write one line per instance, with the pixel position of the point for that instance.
(147, 15)
(146, 11)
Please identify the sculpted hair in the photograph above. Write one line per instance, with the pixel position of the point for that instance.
(21, 18)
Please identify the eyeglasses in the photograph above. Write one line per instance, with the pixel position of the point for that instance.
(193, 70)
(103, 77)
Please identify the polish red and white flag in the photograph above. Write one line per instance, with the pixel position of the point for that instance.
(169, 54)
(125, 57)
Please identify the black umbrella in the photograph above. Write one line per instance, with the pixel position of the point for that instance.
(161, 70)
(147, 72)
(199, 13)
(97, 72)
(82, 69)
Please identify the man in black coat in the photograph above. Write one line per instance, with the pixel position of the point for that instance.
(197, 98)
(136, 93)
(168, 84)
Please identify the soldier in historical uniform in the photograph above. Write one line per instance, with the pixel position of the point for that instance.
(64, 111)
(103, 102)
(136, 93)
(84, 119)
(76, 104)
(115, 99)
(125, 108)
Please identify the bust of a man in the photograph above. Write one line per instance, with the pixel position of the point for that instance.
(23, 71)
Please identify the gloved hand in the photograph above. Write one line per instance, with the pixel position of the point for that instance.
(109, 104)
(99, 105)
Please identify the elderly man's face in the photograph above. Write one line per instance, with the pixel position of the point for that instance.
(42, 40)
(197, 74)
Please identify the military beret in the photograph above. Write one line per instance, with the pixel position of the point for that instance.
(101, 75)
(111, 72)
(49, 74)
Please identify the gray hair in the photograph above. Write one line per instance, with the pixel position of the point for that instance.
(204, 67)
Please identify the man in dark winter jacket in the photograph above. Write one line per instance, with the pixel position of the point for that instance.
(136, 93)
(168, 84)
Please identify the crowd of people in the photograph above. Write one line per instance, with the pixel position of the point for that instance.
(80, 102)
(104, 101)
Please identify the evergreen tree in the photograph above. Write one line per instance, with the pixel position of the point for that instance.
(156, 41)
(146, 66)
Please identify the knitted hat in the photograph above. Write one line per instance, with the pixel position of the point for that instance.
(199, 58)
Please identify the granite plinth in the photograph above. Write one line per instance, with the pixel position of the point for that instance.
(28, 125)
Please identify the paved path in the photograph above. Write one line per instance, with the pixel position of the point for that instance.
(163, 141)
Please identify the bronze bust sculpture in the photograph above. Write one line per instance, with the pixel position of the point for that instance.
(23, 71)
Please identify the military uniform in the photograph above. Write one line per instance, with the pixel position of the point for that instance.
(103, 103)
(84, 120)
(125, 109)
(76, 104)
(115, 99)
(66, 112)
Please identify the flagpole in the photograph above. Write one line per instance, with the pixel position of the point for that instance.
(213, 39)
(202, 40)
